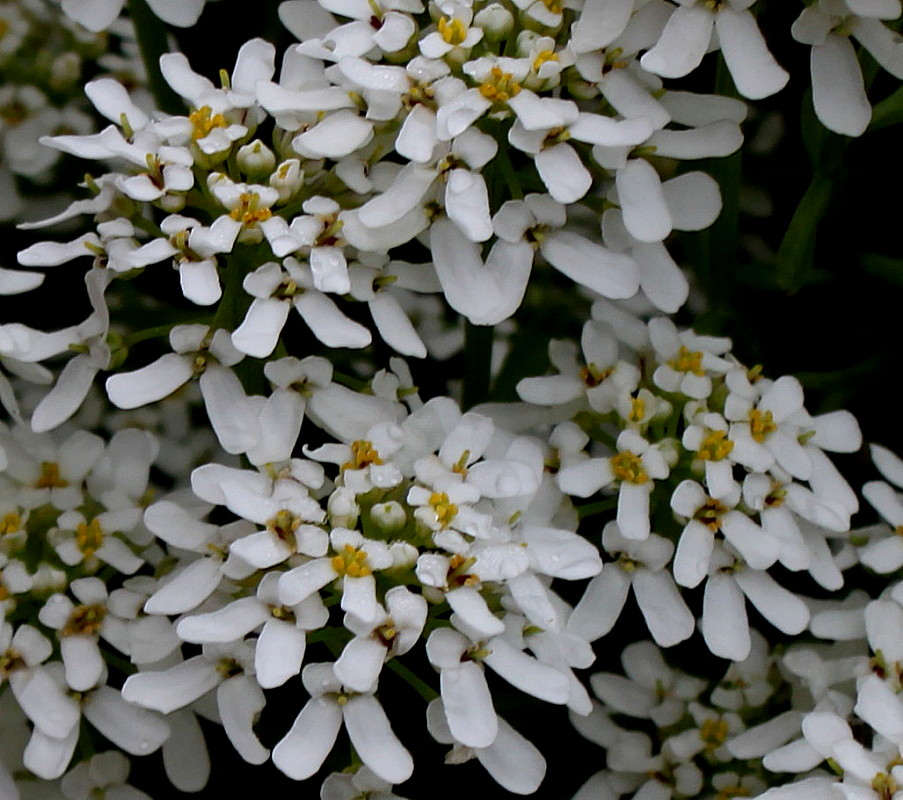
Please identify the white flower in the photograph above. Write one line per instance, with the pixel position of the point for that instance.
(301, 752)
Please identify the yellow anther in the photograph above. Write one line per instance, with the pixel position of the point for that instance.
(452, 30)
(715, 446)
(542, 57)
(627, 563)
(89, 537)
(727, 792)
(363, 454)
(203, 121)
(714, 733)
(710, 513)
(352, 562)
(458, 574)
(444, 508)
(884, 786)
(592, 376)
(761, 424)
(10, 523)
(628, 467)
(284, 524)
(10, 661)
(460, 466)
(50, 477)
(687, 360)
(637, 409)
(500, 86)
(84, 620)
(553, 5)
(249, 211)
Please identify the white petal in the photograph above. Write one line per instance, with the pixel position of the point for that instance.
(755, 72)
(724, 623)
(279, 653)
(468, 705)
(173, 688)
(838, 92)
(682, 44)
(563, 173)
(304, 748)
(150, 383)
(373, 739)
(240, 700)
(612, 275)
(642, 201)
(666, 614)
(781, 608)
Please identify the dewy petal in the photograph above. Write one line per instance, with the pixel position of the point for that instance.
(563, 173)
(304, 748)
(642, 201)
(781, 608)
(181, 13)
(666, 614)
(374, 741)
(526, 673)
(149, 384)
(240, 700)
(45, 702)
(468, 705)
(724, 622)
(186, 589)
(611, 274)
(336, 136)
(467, 203)
(693, 199)
(601, 604)
(682, 44)
(417, 138)
(259, 332)
(838, 91)
(328, 323)
(661, 280)
(279, 653)
(136, 730)
(200, 281)
(514, 762)
(172, 688)
(469, 604)
(755, 72)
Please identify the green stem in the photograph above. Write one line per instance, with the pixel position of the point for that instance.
(152, 41)
(422, 687)
(477, 363)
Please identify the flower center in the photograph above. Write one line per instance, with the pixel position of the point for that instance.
(592, 376)
(714, 733)
(761, 424)
(709, 514)
(283, 525)
(84, 619)
(351, 562)
(500, 86)
(363, 454)
(10, 523)
(542, 57)
(715, 447)
(89, 537)
(9, 661)
(637, 409)
(203, 121)
(444, 508)
(452, 30)
(249, 211)
(628, 467)
(50, 477)
(687, 360)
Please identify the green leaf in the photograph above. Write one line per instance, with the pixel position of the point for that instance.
(886, 268)
(797, 250)
(888, 112)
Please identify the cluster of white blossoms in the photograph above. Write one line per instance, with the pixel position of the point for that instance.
(44, 60)
(218, 505)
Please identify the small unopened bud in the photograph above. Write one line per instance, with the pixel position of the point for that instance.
(287, 179)
(255, 159)
(495, 20)
(47, 580)
(389, 518)
(403, 554)
(343, 508)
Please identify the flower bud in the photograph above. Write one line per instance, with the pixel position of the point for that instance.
(255, 159)
(389, 518)
(343, 508)
(287, 179)
(496, 22)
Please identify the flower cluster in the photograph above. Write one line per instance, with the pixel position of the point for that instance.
(298, 446)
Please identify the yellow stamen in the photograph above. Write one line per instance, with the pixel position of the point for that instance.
(687, 360)
(715, 446)
(500, 86)
(10, 523)
(84, 620)
(761, 424)
(628, 467)
(351, 562)
(637, 409)
(542, 57)
(363, 454)
(452, 30)
(714, 733)
(50, 477)
(203, 121)
(710, 514)
(249, 211)
(445, 510)
(592, 376)
(89, 537)
(283, 525)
